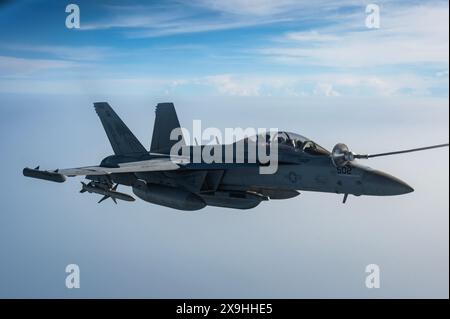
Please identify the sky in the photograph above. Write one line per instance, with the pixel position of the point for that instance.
(309, 67)
(238, 48)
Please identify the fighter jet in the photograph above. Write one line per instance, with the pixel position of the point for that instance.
(177, 181)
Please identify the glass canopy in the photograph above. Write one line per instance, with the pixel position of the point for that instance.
(295, 141)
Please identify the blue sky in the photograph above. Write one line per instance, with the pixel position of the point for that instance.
(253, 48)
(311, 67)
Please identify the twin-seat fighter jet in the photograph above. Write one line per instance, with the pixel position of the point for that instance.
(161, 178)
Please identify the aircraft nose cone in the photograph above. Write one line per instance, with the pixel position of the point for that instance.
(380, 183)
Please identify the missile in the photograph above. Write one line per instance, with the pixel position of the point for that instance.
(91, 188)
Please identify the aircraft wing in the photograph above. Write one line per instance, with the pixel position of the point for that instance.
(153, 165)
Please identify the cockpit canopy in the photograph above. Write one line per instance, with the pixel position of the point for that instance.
(295, 141)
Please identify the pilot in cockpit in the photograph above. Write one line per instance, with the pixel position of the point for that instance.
(298, 143)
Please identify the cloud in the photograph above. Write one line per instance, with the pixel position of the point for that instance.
(152, 23)
(228, 85)
(442, 73)
(244, 85)
(74, 53)
(195, 26)
(136, 17)
(325, 89)
(299, 9)
(310, 36)
(408, 35)
(171, 18)
(12, 66)
(103, 86)
(324, 84)
(251, 7)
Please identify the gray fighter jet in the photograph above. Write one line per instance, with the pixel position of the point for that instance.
(179, 182)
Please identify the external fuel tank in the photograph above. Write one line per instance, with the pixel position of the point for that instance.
(168, 196)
